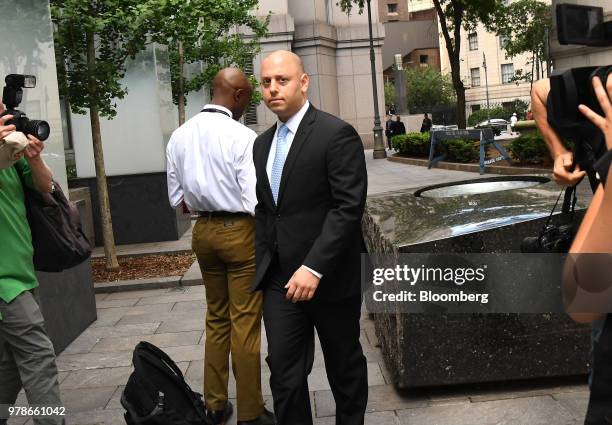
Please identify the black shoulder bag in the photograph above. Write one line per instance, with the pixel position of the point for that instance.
(57, 236)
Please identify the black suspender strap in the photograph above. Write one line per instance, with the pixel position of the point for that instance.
(215, 110)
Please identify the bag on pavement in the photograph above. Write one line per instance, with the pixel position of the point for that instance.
(156, 392)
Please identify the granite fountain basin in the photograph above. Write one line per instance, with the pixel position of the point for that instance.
(485, 215)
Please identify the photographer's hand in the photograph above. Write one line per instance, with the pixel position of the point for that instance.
(41, 173)
(603, 123)
(5, 130)
(562, 169)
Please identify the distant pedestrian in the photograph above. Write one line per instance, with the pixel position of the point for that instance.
(397, 127)
(392, 109)
(210, 169)
(513, 120)
(427, 123)
(388, 132)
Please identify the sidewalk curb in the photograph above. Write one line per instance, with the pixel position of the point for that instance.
(145, 253)
(474, 168)
(192, 277)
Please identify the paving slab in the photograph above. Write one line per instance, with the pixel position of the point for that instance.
(575, 402)
(377, 418)
(133, 319)
(543, 410)
(162, 340)
(170, 298)
(77, 400)
(189, 305)
(380, 398)
(195, 324)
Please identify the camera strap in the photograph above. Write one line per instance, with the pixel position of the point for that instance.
(569, 206)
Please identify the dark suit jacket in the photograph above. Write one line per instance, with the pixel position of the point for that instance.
(322, 194)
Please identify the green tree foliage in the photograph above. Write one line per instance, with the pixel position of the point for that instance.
(505, 112)
(426, 88)
(453, 15)
(529, 149)
(524, 27)
(389, 94)
(94, 39)
(202, 37)
(462, 150)
(483, 114)
(412, 144)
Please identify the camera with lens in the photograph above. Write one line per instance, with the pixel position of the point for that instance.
(552, 239)
(12, 96)
(585, 26)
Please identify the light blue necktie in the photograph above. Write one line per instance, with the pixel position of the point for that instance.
(282, 149)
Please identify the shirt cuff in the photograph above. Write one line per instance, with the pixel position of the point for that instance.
(317, 274)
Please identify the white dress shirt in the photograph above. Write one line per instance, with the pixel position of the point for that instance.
(210, 164)
(292, 125)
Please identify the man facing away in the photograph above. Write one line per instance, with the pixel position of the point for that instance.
(427, 124)
(311, 191)
(27, 358)
(210, 169)
(397, 126)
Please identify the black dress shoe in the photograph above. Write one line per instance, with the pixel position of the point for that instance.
(219, 417)
(266, 418)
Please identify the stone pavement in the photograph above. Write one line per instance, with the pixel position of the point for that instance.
(96, 366)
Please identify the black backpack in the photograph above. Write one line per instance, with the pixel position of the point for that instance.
(157, 394)
(57, 236)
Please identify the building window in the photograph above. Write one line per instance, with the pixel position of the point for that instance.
(503, 40)
(250, 115)
(391, 8)
(473, 40)
(507, 70)
(475, 76)
(423, 59)
(475, 108)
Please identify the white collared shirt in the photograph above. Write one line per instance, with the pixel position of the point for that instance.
(210, 164)
(292, 124)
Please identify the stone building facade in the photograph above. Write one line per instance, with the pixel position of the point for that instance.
(393, 10)
(335, 50)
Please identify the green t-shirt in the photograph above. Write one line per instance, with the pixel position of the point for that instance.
(16, 264)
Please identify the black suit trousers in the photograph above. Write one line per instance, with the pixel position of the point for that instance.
(290, 331)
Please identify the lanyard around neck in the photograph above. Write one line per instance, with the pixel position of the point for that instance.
(215, 110)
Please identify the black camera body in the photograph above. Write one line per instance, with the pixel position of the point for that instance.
(585, 26)
(12, 96)
(552, 239)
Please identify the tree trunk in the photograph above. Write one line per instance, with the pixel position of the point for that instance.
(181, 85)
(453, 47)
(105, 216)
(460, 92)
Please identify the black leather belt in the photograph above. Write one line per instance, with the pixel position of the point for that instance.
(222, 214)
